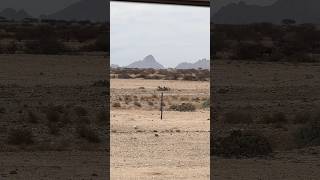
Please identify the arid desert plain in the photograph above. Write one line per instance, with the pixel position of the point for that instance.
(145, 147)
(53, 117)
(277, 105)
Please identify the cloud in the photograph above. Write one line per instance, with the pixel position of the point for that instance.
(171, 33)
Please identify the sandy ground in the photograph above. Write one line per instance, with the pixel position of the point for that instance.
(264, 88)
(31, 82)
(152, 84)
(284, 166)
(53, 165)
(145, 147)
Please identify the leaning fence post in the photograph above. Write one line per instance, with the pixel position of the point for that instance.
(161, 104)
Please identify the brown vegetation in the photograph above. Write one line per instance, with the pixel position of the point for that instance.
(53, 38)
(163, 74)
(267, 42)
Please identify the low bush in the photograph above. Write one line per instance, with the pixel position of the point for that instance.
(127, 99)
(101, 43)
(164, 88)
(136, 103)
(101, 83)
(89, 134)
(189, 78)
(277, 117)
(184, 107)
(124, 76)
(116, 105)
(241, 144)
(302, 118)
(45, 46)
(206, 104)
(184, 99)
(309, 134)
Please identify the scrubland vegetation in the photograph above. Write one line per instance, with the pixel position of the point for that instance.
(53, 38)
(288, 42)
(163, 74)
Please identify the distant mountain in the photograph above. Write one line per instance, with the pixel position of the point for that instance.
(12, 14)
(303, 11)
(93, 10)
(203, 64)
(114, 66)
(147, 62)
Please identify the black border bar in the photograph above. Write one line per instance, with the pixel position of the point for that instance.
(205, 3)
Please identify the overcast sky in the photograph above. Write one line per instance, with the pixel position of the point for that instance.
(36, 7)
(171, 33)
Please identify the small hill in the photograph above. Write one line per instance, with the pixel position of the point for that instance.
(93, 10)
(203, 64)
(114, 66)
(148, 62)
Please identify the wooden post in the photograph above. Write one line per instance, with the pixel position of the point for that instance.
(161, 104)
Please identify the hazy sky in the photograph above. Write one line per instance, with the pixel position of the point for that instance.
(171, 33)
(36, 7)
